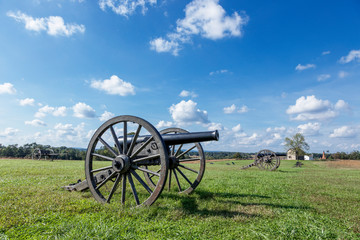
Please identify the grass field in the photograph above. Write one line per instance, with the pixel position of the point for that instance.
(321, 200)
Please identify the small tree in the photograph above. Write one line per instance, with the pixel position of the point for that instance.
(297, 144)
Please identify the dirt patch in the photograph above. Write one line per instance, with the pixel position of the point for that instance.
(344, 164)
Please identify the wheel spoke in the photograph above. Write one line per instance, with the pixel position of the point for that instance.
(141, 181)
(182, 174)
(169, 179)
(105, 181)
(123, 188)
(133, 189)
(154, 174)
(189, 159)
(142, 147)
(101, 169)
(103, 157)
(187, 168)
(177, 181)
(116, 140)
(146, 158)
(182, 154)
(132, 145)
(125, 138)
(107, 146)
(178, 150)
(146, 170)
(118, 178)
(172, 150)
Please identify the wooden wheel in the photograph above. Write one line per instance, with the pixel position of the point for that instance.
(112, 161)
(36, 154)
(267, 160)
(186, 164)
(50, 153)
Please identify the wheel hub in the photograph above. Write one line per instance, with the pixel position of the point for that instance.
(173, 162)
(121, 164)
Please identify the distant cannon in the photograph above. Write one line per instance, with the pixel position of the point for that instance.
(128, 153)
(266, 160)
(47, 153)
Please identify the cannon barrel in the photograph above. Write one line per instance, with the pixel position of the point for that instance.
(183, 138)
(179, 138)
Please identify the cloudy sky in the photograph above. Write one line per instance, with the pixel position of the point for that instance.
(258, 71)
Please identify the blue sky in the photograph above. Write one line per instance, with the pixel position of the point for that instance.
(258, 71)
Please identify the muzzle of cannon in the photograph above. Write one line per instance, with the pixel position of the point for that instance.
(266, 160)
(129, 161)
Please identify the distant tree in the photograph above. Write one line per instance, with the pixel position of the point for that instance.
(297, 144)
(237, 156)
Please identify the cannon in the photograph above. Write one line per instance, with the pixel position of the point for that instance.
(127, 155)
(266, 160)
(47, 153)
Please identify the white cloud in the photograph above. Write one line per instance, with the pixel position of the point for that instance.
(126, 7)
(214, 126)
(69, 133)
(162, 45)
(343, 74)
(311, 108)
(206, 18)
(114, 86)
(342, 105)
(229, 110)
(82, 110)
(325, 53)
(186, 112)
(35, 123)
(43, 111)
(185, 93)
(163, 124)
(27, 102)
(60, 111)
(276, 129)
(222, 71)
(233, 108)
(353, 55)
(106, 116)
(300, 67)
(243, 109)
(7, 88)
(344, 132)
(53, 25)
(323, 77)
(237, 128)
(9, 132)
(309, 129)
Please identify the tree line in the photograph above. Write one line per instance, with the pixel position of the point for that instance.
(26, 151)
(65, 153)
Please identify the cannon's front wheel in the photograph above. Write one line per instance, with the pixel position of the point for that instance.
(36, 154)
(116, 160)
(267, 160)
(186, 164)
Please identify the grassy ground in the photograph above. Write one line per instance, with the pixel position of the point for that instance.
(317, 201)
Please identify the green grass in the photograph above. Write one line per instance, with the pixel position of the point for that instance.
(312, 202)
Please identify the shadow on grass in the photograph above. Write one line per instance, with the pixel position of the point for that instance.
(205, 195)
(189, 203)
(190, 206)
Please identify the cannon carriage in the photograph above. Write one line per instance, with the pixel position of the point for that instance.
(38, 153)
(266, 160)
(128, 156)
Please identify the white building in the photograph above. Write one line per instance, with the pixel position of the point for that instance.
(291, 155)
